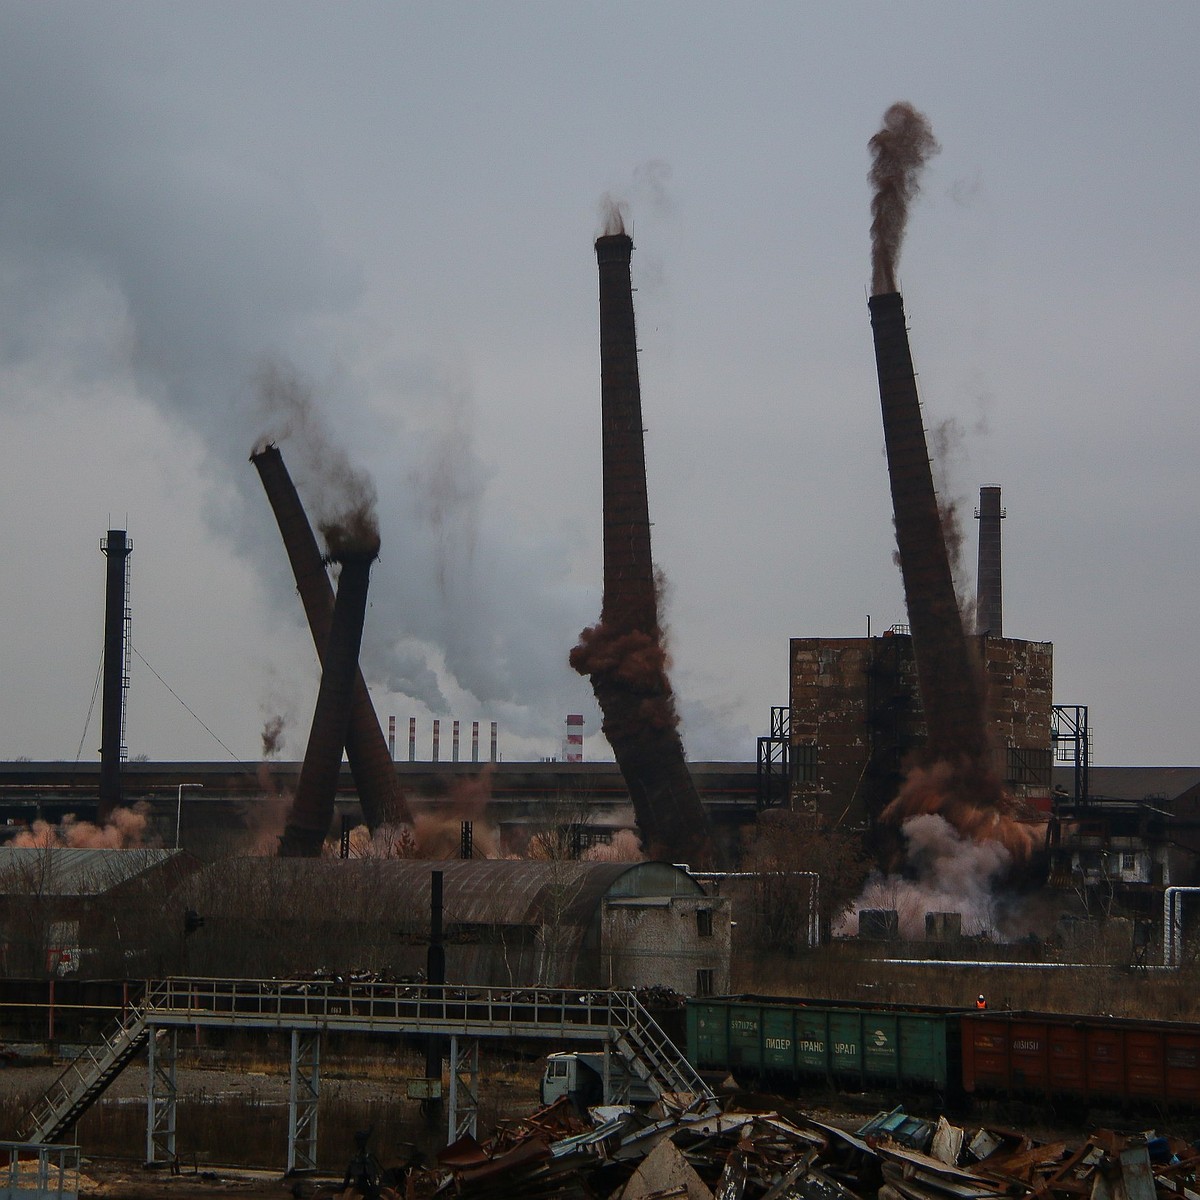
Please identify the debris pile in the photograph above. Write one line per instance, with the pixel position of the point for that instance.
(682, 1151)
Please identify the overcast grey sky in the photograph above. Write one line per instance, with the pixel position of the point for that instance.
(399, 201)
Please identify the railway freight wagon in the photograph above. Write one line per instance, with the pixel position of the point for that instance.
(859, 1045)
(1100, 1058)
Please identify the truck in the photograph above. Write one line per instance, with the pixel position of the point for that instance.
(580, 1077)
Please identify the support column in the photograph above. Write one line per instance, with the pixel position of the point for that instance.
(161, 1095)
(464, 1087)
(304, 1088)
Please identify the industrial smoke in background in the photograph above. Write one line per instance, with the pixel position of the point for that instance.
(624, 654)
(954, 776)
(375, 779)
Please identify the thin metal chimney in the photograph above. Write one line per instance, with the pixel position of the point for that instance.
(370, 760)
(989, 594)
(117, 549)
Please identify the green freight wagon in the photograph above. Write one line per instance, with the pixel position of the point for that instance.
(852, 1045)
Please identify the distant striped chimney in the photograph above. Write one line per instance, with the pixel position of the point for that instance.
(574, 738)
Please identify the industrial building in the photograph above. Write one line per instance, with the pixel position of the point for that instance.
(856, 717)
(504, 923)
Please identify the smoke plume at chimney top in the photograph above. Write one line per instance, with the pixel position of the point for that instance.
(614, 215)
(899, 151)
(345, 495)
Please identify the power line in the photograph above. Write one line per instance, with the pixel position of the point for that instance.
(186, 706)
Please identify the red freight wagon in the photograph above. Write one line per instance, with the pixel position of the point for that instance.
(1102, 1057)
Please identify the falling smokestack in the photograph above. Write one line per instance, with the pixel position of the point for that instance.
(961, 783)
(316, 790)
(370, 761)
(989, 601)
(623, 654)
(117, 549)
(950, 685)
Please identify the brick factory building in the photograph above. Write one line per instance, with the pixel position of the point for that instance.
(855, 715)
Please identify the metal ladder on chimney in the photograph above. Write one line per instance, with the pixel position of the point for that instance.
(650, 1054)
(85, 1078)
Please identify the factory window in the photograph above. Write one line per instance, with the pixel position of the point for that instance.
(704, 981)
(804, 762)
(1128, 861)
(1028, 766)
(704, 924)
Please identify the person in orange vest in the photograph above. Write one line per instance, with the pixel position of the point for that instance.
(981, 1003)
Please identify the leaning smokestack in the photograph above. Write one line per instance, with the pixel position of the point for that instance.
(370, 762)
(951, 690)
(989, 602)
(316, 790)
(117, 549)
(950, 682)
(624, 655)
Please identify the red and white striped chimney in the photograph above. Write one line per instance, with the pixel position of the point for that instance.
(573, 752)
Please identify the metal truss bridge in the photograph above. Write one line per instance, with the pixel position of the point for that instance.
(634, 1046)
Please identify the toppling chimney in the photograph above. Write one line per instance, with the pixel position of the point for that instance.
(379, 791)
(954, 776)
(316, 790)
(624, 653)
(950, 683)
(117, 549)
(989, 601)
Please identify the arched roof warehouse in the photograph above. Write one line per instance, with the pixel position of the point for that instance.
(504, 921)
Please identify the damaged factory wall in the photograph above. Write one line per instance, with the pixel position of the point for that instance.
(856, 719)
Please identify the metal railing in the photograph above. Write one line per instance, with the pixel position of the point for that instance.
(38, 1172)
(559, 1014)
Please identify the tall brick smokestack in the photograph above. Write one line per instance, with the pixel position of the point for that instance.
(374, 773)
(950, 683)
(117, 549)
(624, 654)
(316, 790)
(989, 591)
(954, 776)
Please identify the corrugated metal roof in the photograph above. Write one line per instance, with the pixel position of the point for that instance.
(475, 892)
(71, 872)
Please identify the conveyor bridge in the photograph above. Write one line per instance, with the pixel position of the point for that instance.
(634, 1045)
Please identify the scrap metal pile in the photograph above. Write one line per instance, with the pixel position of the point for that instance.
(681, 1152)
